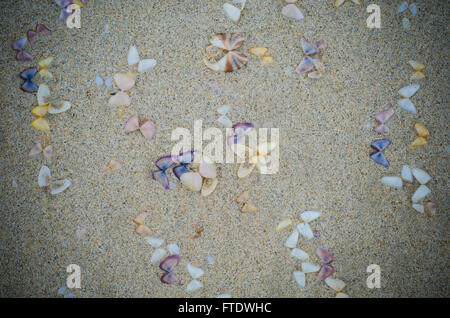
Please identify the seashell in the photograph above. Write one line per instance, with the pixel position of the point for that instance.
(300, 279)
(245, 169)
(324, 256)
(48, 152)
(35, 150)
(224, 109)
(413, 9)
(243, 197)
(59, 186)
(170, 278)
(384, 115)
(154, 241)
(98, 80)
(283, 224)
(291, 11)
(309, 216)
(248, 207)
(225, 121)
(337, 3)
(192, 181)
(62, 107)
(40, 111)
(291, 241)
(158, 255)
(224, 296)
(308, 47)
(260, 162)
(420, 141)
(380, 144)
(259, 51)
(305, 65)
(194, 271)
(290, 1)
(305, 230)
(409, 90)
(309, 268)
(44, 177)
(161, 177)
(227, 42)
(139, 220)
(407, 105)
(402, 7)
(341, 295)
(210, 260)
(43, 94)
(173, 249)
(417, 76)
(393, 182)
(405, 23)
(185, 157)
(194, 285)
(314, 75)
(421, 175)
(379, 158)
(132, 124)
(335, 283)
(209, 185)
(381, 129)
(422, 131)
(242, 129)
(417, 66)
(19, 45)
(120, 99)
(406, 174)
(143, 229)
(420, 193)
(431, 208)
(164, 163)
(266, 147)
(109, 82)
(133, 55)
(169, 263)
(124, 81)
(267, 60)
(299, 254)
(146, 65)
(148, 129)
(325, 272)
(419, 208)
(231, 12)
(41, 124)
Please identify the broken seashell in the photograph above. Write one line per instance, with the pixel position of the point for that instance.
(192, 181)
(248, 207)
(210, 260)
(405, 23)
(431, 208)
(231, 12)
(164, 163)
(143, 229)
(169, 263)
(379, 158)
(124, 81)
(305, 65)
(267, 60)
(40, 111)
(417, 66)
(305, 230)
(170, 278)
(417, 76)
(402, 7)
(422, 131)
(283, 224)
(44, 177)
(242, 129)
(342, 295)
(406, 174)
(335, 283)
(207, 168)
(299, 254)
(41, 124)
(245, 169)
(258, 51)
(380, 144)
(309, 216)
(209, 185)
(227, 42)
(309, 268)
(148, 129)
(194, 271)
(420, 141)
(324, 256)
(224, 109)
(409, 90)
(291, 241)
(228, 63)
(393, 182)
(133, 55)
(194, 285)
(243, 197)
(48, 152)
(120, 99)
(413, 9)
(132, 124)
(291, 11)
(300, 279)
(154, 242)
(173, 249)
(161, 177)
(62, 107)
(266, 148)
(59, 186)
(139, 220)
(179, 170)
(421, 175)
(158, 255)
(325, 272)
(420, 193)
(35, 150)
(419, 208)
(384, 115)
(145, 65)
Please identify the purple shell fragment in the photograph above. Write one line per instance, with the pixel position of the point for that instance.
(19, 44)
(325, 272)
(161, 177)
(179, 170)
(63, 3)
(23, 56)
(169, 263)
(28, 73)
(324, 256)
(164, 163)
(380, 144)
(308, 47)
(41, 28)
(379, 158)
(384, 115)
(381, 129)
(241, 129)
(31, 35)
(185, 157)
(170, 278)
(305, 65)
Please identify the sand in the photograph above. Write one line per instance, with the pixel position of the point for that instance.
(324, 148)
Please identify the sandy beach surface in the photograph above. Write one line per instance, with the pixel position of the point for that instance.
(324, 151)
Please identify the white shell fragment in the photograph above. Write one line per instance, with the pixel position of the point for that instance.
(192, 181)
(299, 254)
(210, 260)
(109, 82)
(405, 23)
(232, 12)
(98, 80)
(133, 55)
(421, 175)
(194, 271)
(413, 9)
(309, 268)
(409, 90)
(173, 249)
(309, 216)
(419, 208)
(225, 121)
(407, 174)
(402, 7)
(407, 105)
(305, 230)
(393, 182)
(194, 285)
(420, 194)
(59, 186)
(335, 283)
(291, 11)
(154, 241)
(146, 65)
(291, 241)
(44, 177)
(62, 107)
(283, 224)
(300, 279)
(158, 255)
(224, 109)
(224, 296)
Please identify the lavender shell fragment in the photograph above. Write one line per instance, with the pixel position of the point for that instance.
(379, 158)
(179, 170)
(161, 177)
(170, 278)
(380, 144)
(241, 129)
(325, 272)
(164, 163)
(324, 256)
(169, 263)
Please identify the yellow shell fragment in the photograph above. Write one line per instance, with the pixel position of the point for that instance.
(283, 224)
(259, 51)
(41, 124)
(267, 60)
(337, 3)
(139, 220)
(120, 113)
(422, 131)
(420, 141)
(40, 111)
(248, 207)
(417, 76)
(417, 66)
(43, 64)
(143, 229)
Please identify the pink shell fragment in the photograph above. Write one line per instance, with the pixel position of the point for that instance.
(169, 263)
(305, 65)
(170, 278)
(325, 272)
(23, 56)
(35, 150)
(308, 47)
(148, 129)
(41, 28)
(384, 115)
(132, 124)
(31, 35)
(324, 256)
(381, 129)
